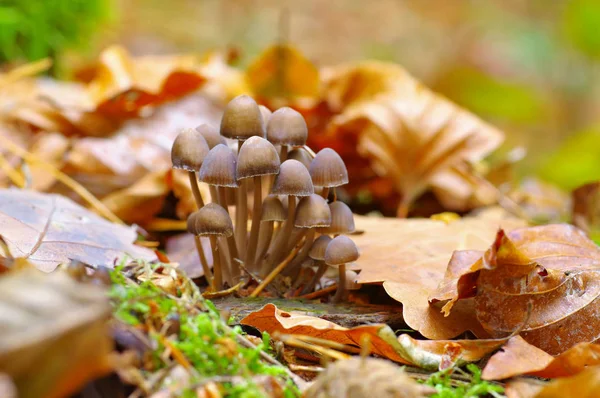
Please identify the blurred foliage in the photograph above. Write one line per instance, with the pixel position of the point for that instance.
(33, 29)
(582, 18)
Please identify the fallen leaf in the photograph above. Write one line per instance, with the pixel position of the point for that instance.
(410, 257)
(55, 334)
(410, 133)
(518, 357)
(583, 385)
(585, 210)
(283, 72)
(553, 268)
(181, 249)
(50, 229)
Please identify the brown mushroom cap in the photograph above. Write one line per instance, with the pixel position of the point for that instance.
(211, 135)
(342, 219)
(293, 179)
(301, 155)
(312, 212)
(341, 250)
(257, 157)
(212, 219)
(242, 119)
(327, 169)
(219, 167)
(189, 150)
(266, 114)
(287, 127)
(272, 209)
(317, 250)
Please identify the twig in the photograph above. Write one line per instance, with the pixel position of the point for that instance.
(222, 293)
(319, 293)
(275, 272)
(293, 341)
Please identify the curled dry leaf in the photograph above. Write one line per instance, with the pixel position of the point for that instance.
(583, 385)
(553, 268)
(410, 257)
(518, 357)
(49, 230)
(410, 133)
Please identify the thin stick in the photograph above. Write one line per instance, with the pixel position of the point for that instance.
(275, 272)
(65, 179)
(319, 293)
(195, 189)
(16, 177)
(203, 261)
(254, 230)
(293, 341)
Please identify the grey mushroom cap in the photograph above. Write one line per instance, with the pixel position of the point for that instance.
(342, 219)
(273, 209)
(211, 135)
(189, 150)
(317, 250)
(242, 119)
(327, 169)
(341, 250)
(312, 212)
(293, 179)
(219, 167)
(266, 114)
(287, 127)
(211, 219)
(301, 155)
(257, 157)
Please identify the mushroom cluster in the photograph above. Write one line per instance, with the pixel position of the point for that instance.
(260, 160)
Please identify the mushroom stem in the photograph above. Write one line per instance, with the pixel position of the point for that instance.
(195, 189)
(274, 273)
(334, 194)
(203, 261)
(315, 279)
(231, 244)
(241, 213)
(325, 193)
(281, 242)
(340, 293)
(218, 279)
(264, 240)
(226, 264)
(254, 230)
(283, 153)
(214, 197)
(296, 265)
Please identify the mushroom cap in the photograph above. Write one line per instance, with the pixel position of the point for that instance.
(266, 114)
(342, 219)
(272, 209)
(301, 155)
(312, 212)
(242, 119)
(327, 169)
(257, 157)
(211, 219)
(341, 250)
(317, 250)
(211, 135)
(189, 150)
(219, 167)
(287, 127)
(293, 179)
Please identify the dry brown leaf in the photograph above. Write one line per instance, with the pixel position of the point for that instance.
(283, 72)
(410, 257)
(518, 357)
(586, 207)
(181, 249)
(553, 268)
(49, 230)
(55, 335)
(583, 385)
(410, 133)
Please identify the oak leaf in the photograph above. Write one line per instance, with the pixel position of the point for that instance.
(518, 357)
(410, 258)
(553, 268)
(51, 229)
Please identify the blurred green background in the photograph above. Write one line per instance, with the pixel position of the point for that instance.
(531, 67)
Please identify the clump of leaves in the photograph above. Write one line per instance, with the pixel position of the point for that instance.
(448, 387)
(201, 341)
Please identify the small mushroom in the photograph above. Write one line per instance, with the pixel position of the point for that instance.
(317, 253)
(287, 128)
(340, 251)
(219, 169)
(342, 220)
(294, 181)
(241, 120)
(211, 135)
(272, 212)
(187, 153)
(212, 221)
(257, 158)
(328, 170)
(301, 155)
(266, 114)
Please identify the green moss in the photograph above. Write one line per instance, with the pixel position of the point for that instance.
(204, 339)
(449, 388)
